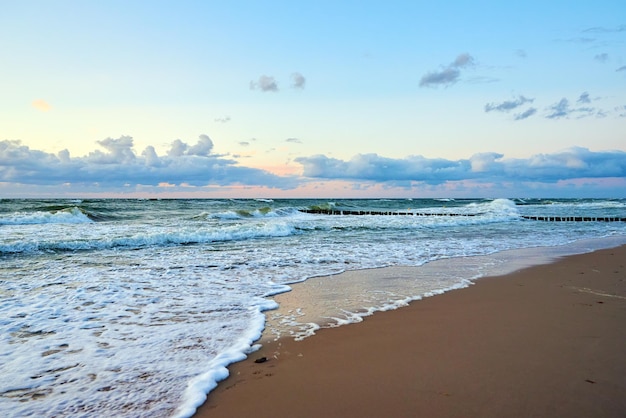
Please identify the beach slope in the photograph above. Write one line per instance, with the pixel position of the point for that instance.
(546, 341)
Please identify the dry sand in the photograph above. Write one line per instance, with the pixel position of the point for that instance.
(546, 341)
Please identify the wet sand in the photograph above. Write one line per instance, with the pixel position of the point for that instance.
(546, 341)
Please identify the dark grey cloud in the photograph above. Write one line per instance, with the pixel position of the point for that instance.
(604, 57)
(622, 68)
(584, 98)
(293, 140)
(119, 165)
(264, 83)
(525, 114)
(564, 109)
(508, 105)
(559, 110)
(463, 60)
(573, 163)
(449, 74)
(297, 81)
(444, 77)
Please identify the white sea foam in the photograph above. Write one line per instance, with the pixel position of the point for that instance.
(67, 216)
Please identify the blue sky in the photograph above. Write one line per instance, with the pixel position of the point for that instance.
(321, 99)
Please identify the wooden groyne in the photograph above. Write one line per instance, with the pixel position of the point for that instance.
(574, 218)
(382, 213)
(405, 213)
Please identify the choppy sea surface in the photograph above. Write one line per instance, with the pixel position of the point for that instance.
(134, 308)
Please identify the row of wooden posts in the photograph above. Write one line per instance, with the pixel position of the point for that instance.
(533, 218)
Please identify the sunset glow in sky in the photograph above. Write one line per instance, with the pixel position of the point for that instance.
(312, 99)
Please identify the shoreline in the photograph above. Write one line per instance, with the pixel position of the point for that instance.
(547, 340)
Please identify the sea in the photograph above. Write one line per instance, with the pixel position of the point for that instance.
(135, 307)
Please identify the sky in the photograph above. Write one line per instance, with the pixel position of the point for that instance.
(316, 99)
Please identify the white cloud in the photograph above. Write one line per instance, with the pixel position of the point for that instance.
(297, 81)
(119, 151)
(178, 148)
(484, 161)
(151, 157)
(202, 148)
(119, 165)
(119, 168)
(572, 163)
(264, 83)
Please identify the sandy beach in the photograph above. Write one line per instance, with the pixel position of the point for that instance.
(546, 341)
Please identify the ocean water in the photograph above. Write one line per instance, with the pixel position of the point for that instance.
(134, 308)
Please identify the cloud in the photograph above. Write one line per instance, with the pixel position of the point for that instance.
(449, 74)
(482, 79)
(118, 165)
(293, 140)
(179, 148)
(521, 53)
(602, 29)
(118, 168)
(463, 60)
(573, 163)
(580, 40)
(559, 110)
(525, 114)
(564, 109)
(297, 81)
(202, 148)
(484, 162)
(584, 98)
(119, 151)
(622, 68)
(508, 105)
(265, 83)
(41, 105)
(223, 119)
(444, 77)
(601, 57)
